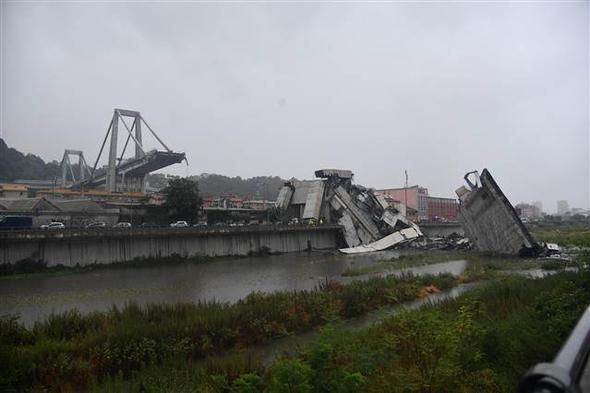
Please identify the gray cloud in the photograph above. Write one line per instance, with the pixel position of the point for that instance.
(250, 88)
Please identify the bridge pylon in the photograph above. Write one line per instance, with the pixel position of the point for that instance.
(66, 166)
(128, 174)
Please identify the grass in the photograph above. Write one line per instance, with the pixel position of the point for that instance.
(69, 351)
(564, 235)
(483, 341)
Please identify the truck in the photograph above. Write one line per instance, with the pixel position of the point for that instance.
(15, 222)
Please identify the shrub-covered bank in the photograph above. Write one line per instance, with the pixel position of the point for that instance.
(482, 342)
(69, 350)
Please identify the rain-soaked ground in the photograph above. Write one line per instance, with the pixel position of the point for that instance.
(223, 279)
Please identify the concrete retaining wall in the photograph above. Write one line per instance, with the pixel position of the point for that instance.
(87, 247)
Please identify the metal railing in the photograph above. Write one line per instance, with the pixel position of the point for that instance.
(37, 233)
(565, 373)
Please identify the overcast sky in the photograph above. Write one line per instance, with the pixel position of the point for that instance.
(283, 89)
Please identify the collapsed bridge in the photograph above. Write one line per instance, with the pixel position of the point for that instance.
(368, 222)
(121, 174)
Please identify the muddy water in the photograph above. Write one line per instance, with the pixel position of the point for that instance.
(227, 279)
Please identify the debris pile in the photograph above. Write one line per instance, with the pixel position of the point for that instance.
(490, 221)
(369, 223)
(452, 242)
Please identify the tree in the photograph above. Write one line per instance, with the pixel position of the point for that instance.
(182, 199)
(16, 165)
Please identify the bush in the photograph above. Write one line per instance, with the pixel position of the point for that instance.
(248, 383)
(290, 376)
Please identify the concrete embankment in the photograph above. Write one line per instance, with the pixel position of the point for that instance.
(84, 246)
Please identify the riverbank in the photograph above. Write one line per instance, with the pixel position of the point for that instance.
(70, 350)
(122, 346)
(225, 279)
(483, 341)
(404, 262)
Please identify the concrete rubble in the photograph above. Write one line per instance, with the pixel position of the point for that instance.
(453, 241)
(369, 223)
(489, 219)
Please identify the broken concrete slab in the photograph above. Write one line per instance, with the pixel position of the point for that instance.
(364, 214)
(489, 219)
(451, 242)
(285, 195)
(364, 220)
(350, 234)
(341, 173)
(313, 203)
(385, 242)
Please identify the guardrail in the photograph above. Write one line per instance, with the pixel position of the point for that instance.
(565, 373)
(37, 233)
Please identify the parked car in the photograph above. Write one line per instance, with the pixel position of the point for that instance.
(16, 222)
(53, 225)
(98, 224)
(179, 224)
(200, 224)
(122, 225)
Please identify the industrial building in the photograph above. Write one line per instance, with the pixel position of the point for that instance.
(414, 197)
(72, 212)
(429, 208)
(528, 211)
(562, 207)
(10, 190)
(442, 209)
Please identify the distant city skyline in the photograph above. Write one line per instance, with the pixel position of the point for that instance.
(562, 206)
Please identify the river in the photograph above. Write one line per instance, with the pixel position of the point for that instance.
(224, 279)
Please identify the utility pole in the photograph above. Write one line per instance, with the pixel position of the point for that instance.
(406, 192)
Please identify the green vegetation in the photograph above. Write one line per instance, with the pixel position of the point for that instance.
(482, 342)
(182, 199)
(259, 187)
(68, 351)
(564, 235)
(16, 165)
